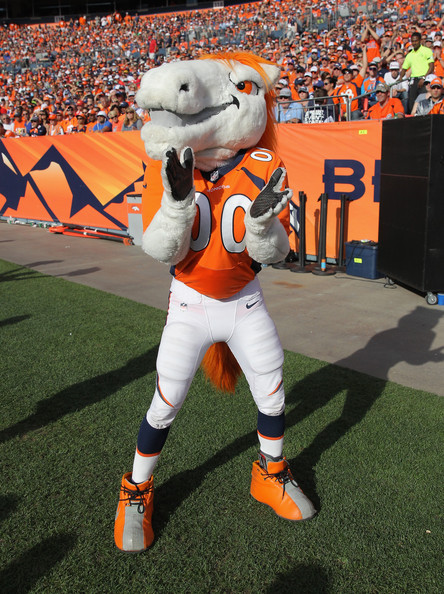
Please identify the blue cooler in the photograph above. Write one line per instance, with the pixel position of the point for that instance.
(361, 259)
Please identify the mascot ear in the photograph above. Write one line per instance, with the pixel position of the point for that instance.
(273, 72)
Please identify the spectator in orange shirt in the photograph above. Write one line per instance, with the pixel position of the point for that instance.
(291, 72)
(372, 43)
(369, 84)
(81, 123)
(70, 121)
(298, 83)
(325, 65)
(438, 108)
(351, 87)
(426, 105)
(115, 120)
(91, 120)
(19, 123)
(55, 125)
(386, 107)
(437, 55)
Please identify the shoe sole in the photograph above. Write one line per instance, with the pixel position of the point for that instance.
(133, 552)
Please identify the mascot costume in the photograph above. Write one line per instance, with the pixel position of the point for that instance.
(223, 213)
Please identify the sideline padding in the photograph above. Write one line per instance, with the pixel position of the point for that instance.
(337, 158)
(78, 180)
(83, 179)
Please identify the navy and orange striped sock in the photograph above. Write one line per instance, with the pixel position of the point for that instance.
(270, 432)
(150, 442)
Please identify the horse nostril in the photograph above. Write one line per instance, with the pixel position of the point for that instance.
(184, 87)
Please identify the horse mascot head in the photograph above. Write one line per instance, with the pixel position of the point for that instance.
(217, 105)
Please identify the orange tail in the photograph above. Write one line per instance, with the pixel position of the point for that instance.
(221, 367)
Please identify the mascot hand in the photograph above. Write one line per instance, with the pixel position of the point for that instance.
(271, 201)
(178, 174)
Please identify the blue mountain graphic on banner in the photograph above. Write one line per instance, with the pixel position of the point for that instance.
(12, 185)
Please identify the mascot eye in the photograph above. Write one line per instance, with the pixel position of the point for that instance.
(247, 86)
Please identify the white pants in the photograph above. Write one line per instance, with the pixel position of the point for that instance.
(194, 322)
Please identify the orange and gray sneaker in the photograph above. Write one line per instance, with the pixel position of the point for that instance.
(272, 483)
(133, 532)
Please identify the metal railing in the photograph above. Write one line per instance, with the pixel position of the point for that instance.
(316, 102)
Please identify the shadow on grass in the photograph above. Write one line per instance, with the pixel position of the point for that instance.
(22, 574)
(17, 274)
(303, 579)
(310, 394)
(82, 394)
(14, 320)
(169, 496)
(316, 390)
(8, 503)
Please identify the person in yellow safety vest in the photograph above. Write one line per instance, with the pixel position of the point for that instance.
(420, 62)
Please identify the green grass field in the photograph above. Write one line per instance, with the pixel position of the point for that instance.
(77, 374)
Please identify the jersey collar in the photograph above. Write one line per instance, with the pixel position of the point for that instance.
(214, 175)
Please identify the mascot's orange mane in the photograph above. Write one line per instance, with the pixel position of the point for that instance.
(219, 364)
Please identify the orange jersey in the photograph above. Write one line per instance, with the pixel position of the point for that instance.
(19, 127)
(373, 48)
(350, 89)
(69, 124)
(438, 108)
(438, 69)
(391, 108)
(218, 264)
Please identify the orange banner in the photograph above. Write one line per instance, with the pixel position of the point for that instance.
(80, 179)
(83, 179)
(337, 158)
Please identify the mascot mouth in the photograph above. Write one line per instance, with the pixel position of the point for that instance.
(171, 119)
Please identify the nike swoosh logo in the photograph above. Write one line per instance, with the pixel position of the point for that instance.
(250, 305)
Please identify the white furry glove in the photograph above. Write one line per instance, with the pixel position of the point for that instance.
(168, 237)
(266, 238)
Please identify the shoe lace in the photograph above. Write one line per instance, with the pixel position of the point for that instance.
(284, 477)
(135, 494)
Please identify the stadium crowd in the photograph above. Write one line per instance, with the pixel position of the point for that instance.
(338, 62)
